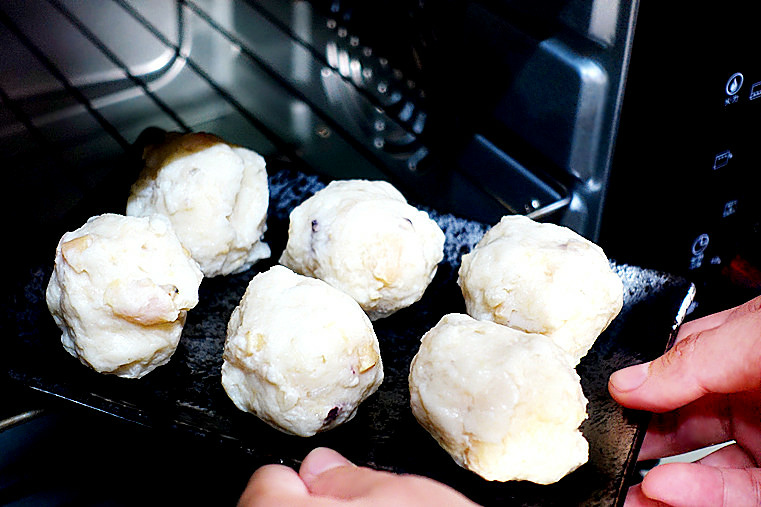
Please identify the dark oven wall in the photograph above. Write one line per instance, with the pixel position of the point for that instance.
(521, 99)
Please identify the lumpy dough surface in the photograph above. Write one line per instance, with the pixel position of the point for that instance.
(300, 354)
(120, 291)
(364, 238)
(504, 404)
(542, 278)
(215, 194)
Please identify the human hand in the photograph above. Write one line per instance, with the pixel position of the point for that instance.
(326, 478)
(705, 390)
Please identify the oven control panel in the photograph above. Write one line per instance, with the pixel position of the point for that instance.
(686, 173)
(729, 247)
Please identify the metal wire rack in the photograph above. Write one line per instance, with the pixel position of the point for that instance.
(79, 82)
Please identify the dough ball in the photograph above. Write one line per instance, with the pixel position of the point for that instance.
(542, 278)
(215, 194)
(504, 404)
(364, 238)
(300, 354)
(120, 291)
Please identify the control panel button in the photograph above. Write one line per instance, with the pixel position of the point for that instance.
(732, 88)
(755, 91)
(699, 246)
(734, 83)
(730, 208)
(722, 159)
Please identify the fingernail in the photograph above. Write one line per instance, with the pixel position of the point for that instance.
(319, 461)
(629, 378)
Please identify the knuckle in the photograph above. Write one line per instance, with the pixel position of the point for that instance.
(678, 353)
(750, 493)
(753, 306)
(750, 308)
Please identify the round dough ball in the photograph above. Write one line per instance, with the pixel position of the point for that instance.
(300, 354)
(542, 278)
(120, 291)
(504, 404)
(364, 238)
(215, 194)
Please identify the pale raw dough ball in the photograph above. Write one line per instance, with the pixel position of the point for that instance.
(120, 292)
(504, 404)
(542, 278)
(300, 354)
(364, 238)
(215, 194)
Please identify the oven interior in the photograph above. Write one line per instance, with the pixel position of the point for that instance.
(464, 110)
(413, 92)
(475, 108)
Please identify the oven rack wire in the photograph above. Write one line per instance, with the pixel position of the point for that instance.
(279, 77)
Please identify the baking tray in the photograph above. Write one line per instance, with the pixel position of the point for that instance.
(186, 396)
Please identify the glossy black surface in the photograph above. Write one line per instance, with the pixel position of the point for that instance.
(185, 397)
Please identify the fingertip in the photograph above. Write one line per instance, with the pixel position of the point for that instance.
(697, 485)
(684, 484)
(320, 460)
(666, 383)
(271, 481)
(635, 498)
(628, 379)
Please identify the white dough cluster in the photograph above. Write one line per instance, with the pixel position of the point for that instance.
(300, 354)
(504, 404)
(215, 194)
(542, 278)
(120, 291)
(364, 238)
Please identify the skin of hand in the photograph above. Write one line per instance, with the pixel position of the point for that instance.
(326, 478)
(705, 390)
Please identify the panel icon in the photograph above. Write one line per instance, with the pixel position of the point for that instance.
(722, 159)
(734, 83)
(755, 91)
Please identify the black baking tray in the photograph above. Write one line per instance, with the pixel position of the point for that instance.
(186, 396)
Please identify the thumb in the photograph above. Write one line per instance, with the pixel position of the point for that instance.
(328, 474)
(695, 485)
(320, 460)
(271, 484)
(722, 359)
